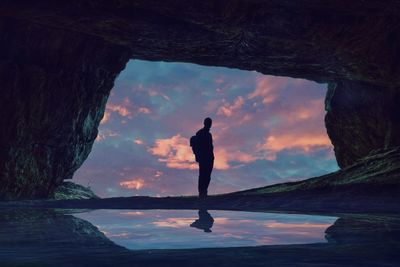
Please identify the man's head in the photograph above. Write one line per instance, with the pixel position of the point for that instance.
(207, 123)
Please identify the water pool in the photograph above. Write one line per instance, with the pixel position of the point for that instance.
(175, 229)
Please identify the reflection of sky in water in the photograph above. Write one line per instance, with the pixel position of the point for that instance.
(159, 229)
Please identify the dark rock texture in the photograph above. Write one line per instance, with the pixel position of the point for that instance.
(371, 185)
(55, 85)
(49, 238)
(322, 41)
(59, 59)
(374, 175)
(365, 228)
(361, 118)
(69, 190)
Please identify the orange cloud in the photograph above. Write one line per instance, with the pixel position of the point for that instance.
(296, 140)
(175, 152)
(136, 183)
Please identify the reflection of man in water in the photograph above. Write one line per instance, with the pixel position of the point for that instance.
(205, 221)
(204, 156)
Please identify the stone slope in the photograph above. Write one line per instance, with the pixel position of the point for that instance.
(379, 170)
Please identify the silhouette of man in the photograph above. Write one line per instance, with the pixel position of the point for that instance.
(205, 156)
(204, 222)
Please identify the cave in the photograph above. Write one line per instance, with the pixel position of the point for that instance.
(59, 62)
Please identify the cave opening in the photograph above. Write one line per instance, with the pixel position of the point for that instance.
(266, 130)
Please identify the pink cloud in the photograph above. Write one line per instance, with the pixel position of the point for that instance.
(155, 92)
(300, 128)
(133, 213)
(144, 110)
(298, 226)
(219, 80)
(229, 109)
(174, 222)
(105, 118)
(303, 111)
(122, 109)
(223, 156)
(103, 135)
(136, 183)
(138, 141)
(125, 109)
(267, 88)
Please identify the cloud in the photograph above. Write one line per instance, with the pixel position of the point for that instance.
(105, 118)
(125, 109)
(223, 157)
(122, 109)
(304, 141)
(105, 134)
(174, 222)
(296, 226)
(144, 110)
(154, 92)
(133, 213)
(267, 88)
(136, 183)
(138, 141)
(229, 109)
(175, 152)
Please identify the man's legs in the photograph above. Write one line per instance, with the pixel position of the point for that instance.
(205, 169)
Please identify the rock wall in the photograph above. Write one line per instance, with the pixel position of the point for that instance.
(361, 118)
(58, 61)
(312, 39)
(54, 86)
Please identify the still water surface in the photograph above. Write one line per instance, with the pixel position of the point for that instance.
(175, 229)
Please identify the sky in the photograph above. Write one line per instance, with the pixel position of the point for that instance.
(266, 130)
(161, 229)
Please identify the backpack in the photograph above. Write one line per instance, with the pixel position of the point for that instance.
(195, 145)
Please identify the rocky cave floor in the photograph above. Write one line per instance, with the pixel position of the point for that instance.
(79, 47)
(364, 196)
(54, 237)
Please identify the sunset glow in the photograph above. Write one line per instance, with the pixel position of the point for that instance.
(266, 130)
